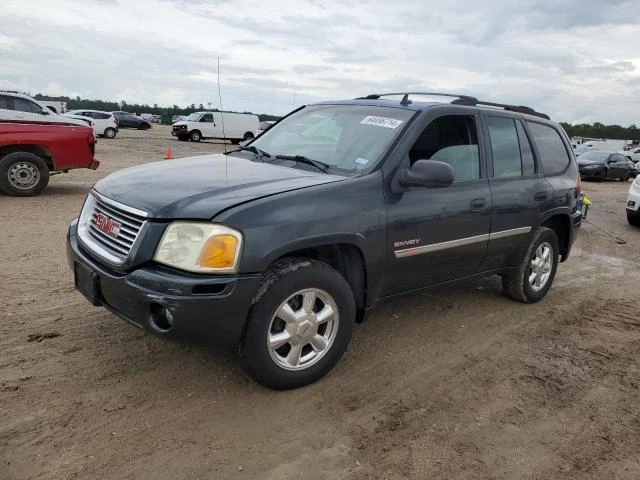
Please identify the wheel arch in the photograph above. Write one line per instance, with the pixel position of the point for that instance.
(39, 150)
(560, 223)
(344, 256)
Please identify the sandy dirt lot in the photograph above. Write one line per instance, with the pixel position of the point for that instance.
(457, 382)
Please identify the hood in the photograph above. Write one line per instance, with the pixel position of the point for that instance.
(201, 187)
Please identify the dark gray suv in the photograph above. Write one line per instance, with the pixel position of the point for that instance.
(280, 247)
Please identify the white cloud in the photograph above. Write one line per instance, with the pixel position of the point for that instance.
(577, 62)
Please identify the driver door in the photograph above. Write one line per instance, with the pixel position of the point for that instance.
(441, 234)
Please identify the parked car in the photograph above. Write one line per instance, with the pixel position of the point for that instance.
(633, 203)
(15, 106)
(279, 248)
(32, 151)
(105, 124)
(54, 105)
(597, 164)
(231, 126)
(129, 120)
(633, 154)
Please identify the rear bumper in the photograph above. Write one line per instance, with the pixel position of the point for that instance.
(217, 316)
(575, 222)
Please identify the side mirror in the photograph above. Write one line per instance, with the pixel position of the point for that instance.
(44, 112)
(426, 173)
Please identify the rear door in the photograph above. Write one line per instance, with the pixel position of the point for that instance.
(519, 190)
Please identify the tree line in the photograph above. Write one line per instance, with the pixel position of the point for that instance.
(155, 109)
(599, 130)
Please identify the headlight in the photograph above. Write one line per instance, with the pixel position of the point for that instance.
(200, 247)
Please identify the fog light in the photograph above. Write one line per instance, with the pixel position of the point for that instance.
(168, 316)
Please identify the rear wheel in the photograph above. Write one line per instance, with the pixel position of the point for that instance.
(110, 132)
(300, 324)
(533, 278)
(248, 136)
(23, 174)
(195, 136)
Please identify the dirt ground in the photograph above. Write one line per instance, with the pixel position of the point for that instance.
(457, 382)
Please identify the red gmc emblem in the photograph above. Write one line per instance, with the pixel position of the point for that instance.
(107, 225)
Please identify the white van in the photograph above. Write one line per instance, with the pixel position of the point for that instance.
(200, 125)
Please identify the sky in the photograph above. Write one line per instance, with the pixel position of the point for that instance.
(577, 60)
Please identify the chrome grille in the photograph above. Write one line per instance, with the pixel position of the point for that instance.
(110, 228)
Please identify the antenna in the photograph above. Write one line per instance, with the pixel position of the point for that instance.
(224, 135)
(293, 104)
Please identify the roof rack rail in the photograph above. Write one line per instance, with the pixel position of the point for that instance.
(459, 100)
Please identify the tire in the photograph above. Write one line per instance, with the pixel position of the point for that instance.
(283, 288)
(519, 285)
(248, 136)
(110, 132)
(23, 174)
(195, 136)
(633, 219)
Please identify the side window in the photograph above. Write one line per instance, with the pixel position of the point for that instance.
(553, 154)
(101, 116)
(452, 139)
(4, 103)
(22, 105)
(505, 147)
(528, 163)
(207, 117)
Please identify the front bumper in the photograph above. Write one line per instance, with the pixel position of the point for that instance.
(205, 309)
(633, 199)
(592, 172)
(175, 133)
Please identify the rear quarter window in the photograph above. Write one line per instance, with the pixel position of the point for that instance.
(553, 153)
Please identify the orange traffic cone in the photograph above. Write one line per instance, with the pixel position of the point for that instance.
(168, 155)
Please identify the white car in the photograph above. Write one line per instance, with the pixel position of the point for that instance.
(201, 125)
(261, 128)
(634, 154)
(633, 203)
(105, 124)
(18, 106)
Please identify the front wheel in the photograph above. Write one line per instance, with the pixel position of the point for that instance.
(23, 174)
(300, 324)
(533, 278)
(195, 136)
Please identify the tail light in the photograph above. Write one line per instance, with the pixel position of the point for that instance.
(117, 121)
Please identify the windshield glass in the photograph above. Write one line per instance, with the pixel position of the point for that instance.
(194, 117)
(345, 137)
(594, 156)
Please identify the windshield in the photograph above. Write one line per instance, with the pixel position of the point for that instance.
(344, 137)
(594, 156)
(194, 117)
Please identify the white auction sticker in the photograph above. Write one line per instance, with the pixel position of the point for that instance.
(381, 122)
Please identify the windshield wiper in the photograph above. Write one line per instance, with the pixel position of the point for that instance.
(257, 151)
(323, 167)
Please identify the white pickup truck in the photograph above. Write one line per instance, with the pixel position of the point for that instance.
(201, 125)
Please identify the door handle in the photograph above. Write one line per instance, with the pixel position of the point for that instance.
(540, 196)
(477, 203)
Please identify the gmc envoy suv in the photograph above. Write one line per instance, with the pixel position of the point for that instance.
(280, 247)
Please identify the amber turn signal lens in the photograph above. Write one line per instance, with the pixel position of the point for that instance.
(219, 252)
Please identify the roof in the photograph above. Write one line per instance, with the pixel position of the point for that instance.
(460, 100)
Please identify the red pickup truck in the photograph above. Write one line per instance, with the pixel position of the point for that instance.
(30, 152)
